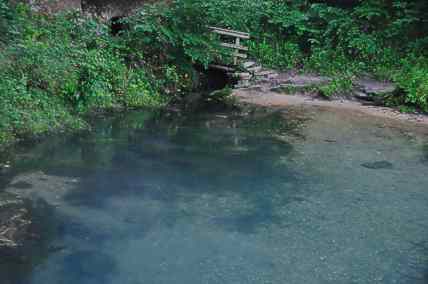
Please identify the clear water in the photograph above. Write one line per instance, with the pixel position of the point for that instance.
(254, 197)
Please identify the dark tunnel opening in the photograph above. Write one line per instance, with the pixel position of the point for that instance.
(117, 25)
(213, 79)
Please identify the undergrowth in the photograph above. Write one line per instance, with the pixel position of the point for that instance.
(58, 69)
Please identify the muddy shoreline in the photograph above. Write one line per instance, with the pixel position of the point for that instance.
(266, 98)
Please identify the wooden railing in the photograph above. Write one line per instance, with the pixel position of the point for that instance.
(239, 50)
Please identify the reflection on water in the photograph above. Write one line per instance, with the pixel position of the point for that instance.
(251, 197)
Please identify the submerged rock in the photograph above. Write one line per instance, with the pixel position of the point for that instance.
(15, 222)
(22, 185)
(378, 165)
(24, 230)
(4, 169)
(24, 224)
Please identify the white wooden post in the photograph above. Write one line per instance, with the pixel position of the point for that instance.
(237, 47)
(237, 44)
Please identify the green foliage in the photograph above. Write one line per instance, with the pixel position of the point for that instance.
(338, 85)
(282, 55)
(58, 68)
(172, 33)
(413, 79)
(31, 113)
(173, 38)
(6, 22)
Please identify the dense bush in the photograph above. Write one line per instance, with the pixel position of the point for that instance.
(54, 69)
(6, 21)
(173, 38)
(413, 79)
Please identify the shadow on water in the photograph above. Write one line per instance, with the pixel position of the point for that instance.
(87, 267)
(262, 216)
(178, 159)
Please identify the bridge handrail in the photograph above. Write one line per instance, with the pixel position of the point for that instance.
(232, 33)
(236, 45)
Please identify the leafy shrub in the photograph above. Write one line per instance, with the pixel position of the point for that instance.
(172, 39)
(413, 79)
(337, 86)
(6, 21)
(58, 67)
(281, 55)
(172, 33)
(32, 113)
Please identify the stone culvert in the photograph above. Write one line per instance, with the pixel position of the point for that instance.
(106, 8)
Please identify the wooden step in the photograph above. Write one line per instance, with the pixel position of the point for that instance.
(234, 46)
(255, 69)
(249, 64)
(243, 75)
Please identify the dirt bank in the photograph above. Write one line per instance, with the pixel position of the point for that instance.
(273, 99)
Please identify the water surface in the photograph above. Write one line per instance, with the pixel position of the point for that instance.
(287, 196)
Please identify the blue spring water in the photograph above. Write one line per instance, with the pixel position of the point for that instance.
(285, 196)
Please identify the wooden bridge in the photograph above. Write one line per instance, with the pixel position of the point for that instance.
(249, 72)
(239, 51)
